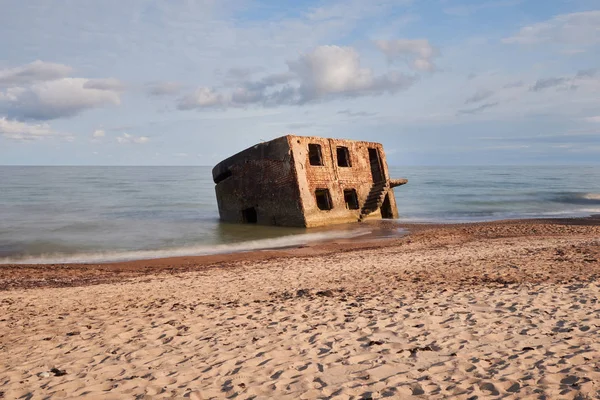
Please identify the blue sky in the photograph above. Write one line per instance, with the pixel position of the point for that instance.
(440, 82)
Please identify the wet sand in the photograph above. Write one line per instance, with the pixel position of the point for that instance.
(505, 309)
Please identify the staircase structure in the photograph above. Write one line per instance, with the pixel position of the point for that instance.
(376, 196)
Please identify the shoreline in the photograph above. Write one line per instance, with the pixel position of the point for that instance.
(370, 230)
(15, 276)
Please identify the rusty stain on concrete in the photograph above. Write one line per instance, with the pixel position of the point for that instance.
(306, 182)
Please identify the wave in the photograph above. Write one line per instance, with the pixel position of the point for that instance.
(199, 250)
(580, 198)
(469, 217)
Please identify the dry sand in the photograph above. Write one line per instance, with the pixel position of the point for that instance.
(497, 310)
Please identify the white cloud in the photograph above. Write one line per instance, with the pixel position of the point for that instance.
(164, 88)
(21, 131)
(331, 70)
(110, 84)
(593, 119)
(54, 99)
(36, 71)
(98, 133)
(418, 53)
(42, 91)
(127, 138)
(579, 29)
(202, 97)
(327, 73)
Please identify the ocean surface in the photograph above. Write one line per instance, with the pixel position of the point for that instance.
(95, 214)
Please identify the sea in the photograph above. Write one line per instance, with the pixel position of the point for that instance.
(102, 214)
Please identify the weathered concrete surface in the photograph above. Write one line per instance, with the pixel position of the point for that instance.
(261, 177)
(277, 180)
(336, 178)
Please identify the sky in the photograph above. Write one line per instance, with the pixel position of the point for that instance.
(190, 82)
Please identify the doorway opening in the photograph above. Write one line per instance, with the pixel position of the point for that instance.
(386, 208)
(375, 162)
(249, 215)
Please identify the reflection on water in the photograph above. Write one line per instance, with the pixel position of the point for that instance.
(232, 233)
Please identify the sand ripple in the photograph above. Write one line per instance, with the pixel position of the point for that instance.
(388, 323)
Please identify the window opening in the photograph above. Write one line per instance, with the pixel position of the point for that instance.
(222, 176)
(343, 157)
(249, 215)
(351, 199)
(314, 154)
(323, 199)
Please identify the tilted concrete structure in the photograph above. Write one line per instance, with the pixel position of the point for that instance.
(305, 182)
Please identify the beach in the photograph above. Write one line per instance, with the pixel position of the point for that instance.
(503, 309)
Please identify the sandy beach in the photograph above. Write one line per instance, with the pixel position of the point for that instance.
(490, 310)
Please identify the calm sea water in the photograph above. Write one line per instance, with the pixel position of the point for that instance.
(88, 214)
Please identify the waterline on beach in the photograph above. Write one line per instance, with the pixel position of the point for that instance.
(199, 250)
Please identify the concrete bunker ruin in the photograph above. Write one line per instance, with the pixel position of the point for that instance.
(305, 182)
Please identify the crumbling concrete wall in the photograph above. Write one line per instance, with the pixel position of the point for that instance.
(336, 178)
(261, 178)
(274, 183)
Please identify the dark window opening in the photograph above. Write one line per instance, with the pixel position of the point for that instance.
(323, 199)
(314, 154)
(249, 215)
(222, 176)
(351, 199)
(343, 157)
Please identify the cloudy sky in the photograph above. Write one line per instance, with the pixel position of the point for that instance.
(438, 82)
